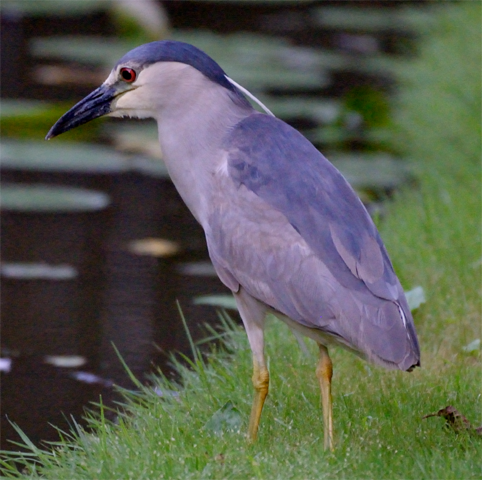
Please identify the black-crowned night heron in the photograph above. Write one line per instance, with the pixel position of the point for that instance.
(285, 231)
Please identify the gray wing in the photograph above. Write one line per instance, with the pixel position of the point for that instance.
(297, 237)
(279, 165)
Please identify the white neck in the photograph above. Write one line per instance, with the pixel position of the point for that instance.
(191, 132)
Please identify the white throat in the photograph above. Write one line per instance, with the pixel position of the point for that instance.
(192, 128)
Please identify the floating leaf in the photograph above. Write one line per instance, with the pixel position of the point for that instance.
(55, 7)
(100, 51)
(61, 157)
(365, 19)
(31, 119)
(319, 110)
(66, 75)
(370, 171)
(91, 378)
(75, 157)
(14, 108)
(197, 269)
(66, 361)
(48, 198)
(226, 419)
(35, 271)
(221, 301)
(149, 166)
(415, 297)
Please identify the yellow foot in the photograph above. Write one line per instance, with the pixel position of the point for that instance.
(261, 385)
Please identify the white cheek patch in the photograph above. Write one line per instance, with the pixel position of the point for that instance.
(156, 85)
(133, 103)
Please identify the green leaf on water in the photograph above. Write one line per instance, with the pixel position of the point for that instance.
(40, 198)
(95, 50)
(55, 7)
(370, 171)
(221, 301)
(31, 119)
(367, 19)
(61, 157)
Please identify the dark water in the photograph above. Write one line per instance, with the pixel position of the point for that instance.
(71, 283)
(93, 291)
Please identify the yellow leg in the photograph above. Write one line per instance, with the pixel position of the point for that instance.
(261, 384)
(324, 372)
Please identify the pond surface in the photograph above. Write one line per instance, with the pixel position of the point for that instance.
(83, 275)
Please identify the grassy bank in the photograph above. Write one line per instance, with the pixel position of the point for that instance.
(379, 431)
(432, 232)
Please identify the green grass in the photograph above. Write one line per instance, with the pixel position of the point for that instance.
(432, 232)
(437, 114)
(379, 431)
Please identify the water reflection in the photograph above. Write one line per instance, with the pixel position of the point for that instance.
(74, 282)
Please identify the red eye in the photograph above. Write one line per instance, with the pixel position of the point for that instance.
(127, 74)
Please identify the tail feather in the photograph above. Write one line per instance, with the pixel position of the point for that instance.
(388, 336)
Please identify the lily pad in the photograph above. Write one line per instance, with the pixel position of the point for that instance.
(13, 108)
(30, 120)
(35, 271)
(40, 198)
(255, 61)
(371, 171)
(319, 110)
(100, 51)
(197, 269)
(76, 157)
(220, 301)
(58, 157)
(364, 19)
(66, 361)
(55, 7)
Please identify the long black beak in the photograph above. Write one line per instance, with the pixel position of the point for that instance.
(94, 105)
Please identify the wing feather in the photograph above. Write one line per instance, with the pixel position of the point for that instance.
(279, 165)
(287, 227)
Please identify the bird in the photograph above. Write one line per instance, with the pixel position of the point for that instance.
(285, 231)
